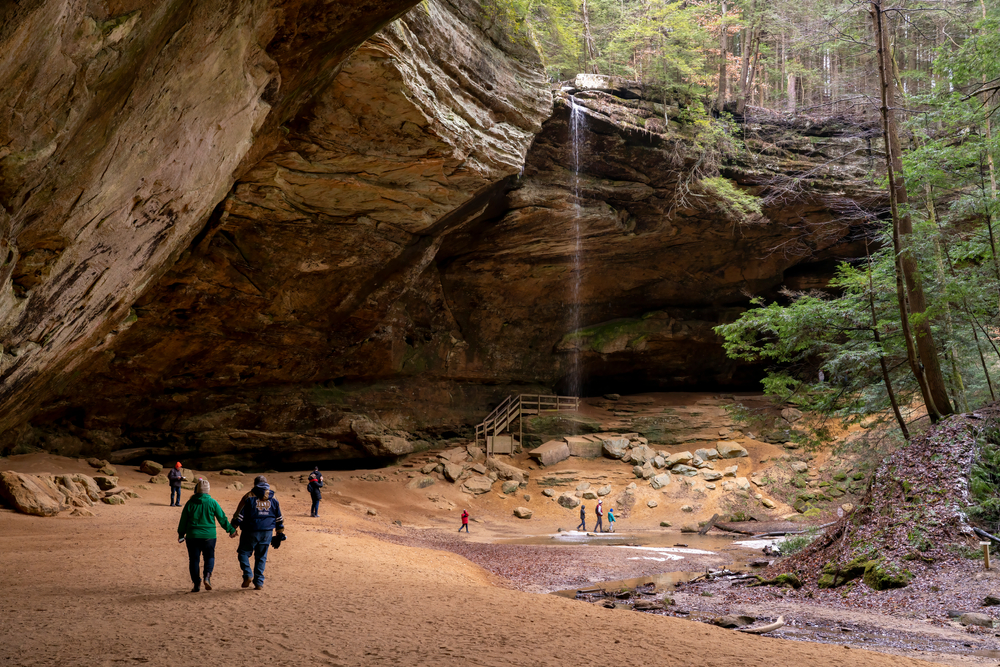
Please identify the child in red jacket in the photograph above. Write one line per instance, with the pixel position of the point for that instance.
(465, 521)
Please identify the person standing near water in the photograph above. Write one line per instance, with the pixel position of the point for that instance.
(175, 477)
(611, 519)
(197, 526)
(599, 511)
(465, 521)
(583, 519)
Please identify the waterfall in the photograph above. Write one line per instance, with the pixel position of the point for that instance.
(577, 121)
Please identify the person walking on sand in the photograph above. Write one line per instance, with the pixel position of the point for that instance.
(256, 516)
(599, 511)
(175, 477)
(197, 526)
(314, 486)
(611, 519)
(465, 521)
(583, 519)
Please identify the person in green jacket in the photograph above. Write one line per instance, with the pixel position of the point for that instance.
(197, 525)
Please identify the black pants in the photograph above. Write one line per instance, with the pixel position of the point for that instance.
(196, 547)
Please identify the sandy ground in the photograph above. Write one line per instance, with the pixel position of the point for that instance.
(113, 590)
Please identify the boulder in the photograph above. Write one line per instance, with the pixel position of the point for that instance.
(791, 415)
(680, 458)
(660, 481)
(477, 485)
(799, 466)
(707, 454)
(589, 494)
(509, 487)
(154, 468)
(480, 469)
(420, 482)
(768, 503)
(687, 471)
(583, 486)
(687, 508)
(429, 467)
(659, 462)
(991, 601)
(730, 450)
(568, 501)
(105, 482)
(614, 448)
(604, 490)
(235, 486)
(731, 471)
(452, 471)
(31, 494)
(159, 479)
(522, 512)
(96, 463)
(549, 493)
(551, 452)
(648, 470)
(711, 475)
(642, 454)
(742, 484)
(637, 471)
(475, 453)
(229, 472)
(108, 470)
(113, 500)
(975, 618)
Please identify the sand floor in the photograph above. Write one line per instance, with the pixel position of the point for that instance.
(114, 590)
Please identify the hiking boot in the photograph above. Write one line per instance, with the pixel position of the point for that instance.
(246, 582)
(258, 587)
(208, 583)
(197, 587)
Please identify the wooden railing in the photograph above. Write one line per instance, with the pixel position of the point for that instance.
(514, 407)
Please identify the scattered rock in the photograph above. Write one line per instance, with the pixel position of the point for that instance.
(159, 479)
(614, 448)
(105, 482)
(637, 471)
(522, 512)
(229, 472)
(768, 503)
(113, 500)
(680, 458)
(506, 471)
(589, 494)
(82, 512)
(612, 397)
(551, 452)
(583, 486)
(660, 481)
(476, 453)
(527, 497)
(429, 468)
(235, 486)
(799, 466)
(371, 512)
(549, 493)
(975, 618)
(452, 471)
(479, 469)
(150, 468)
(568, 501)
(477, 485)
(509, 487)
(651, 504)
(642, 455)
(847, 507)
(791, 415)
(420, 483)
(687, 471)
(707, 454)
(665, 524)
(730, 450)
(687, 508)
(711, 475)
(604, 490)
(96, 463)
(991, 601)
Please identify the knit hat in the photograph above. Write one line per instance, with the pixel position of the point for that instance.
(202, 486)
(177, 465)
(260, 480)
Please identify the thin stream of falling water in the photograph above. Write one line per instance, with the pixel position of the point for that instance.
(577, 120)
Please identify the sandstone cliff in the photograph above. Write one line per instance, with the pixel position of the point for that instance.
(406, 253)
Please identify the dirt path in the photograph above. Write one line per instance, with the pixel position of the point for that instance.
(112, 590)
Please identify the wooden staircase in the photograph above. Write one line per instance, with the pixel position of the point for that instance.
(492, 430)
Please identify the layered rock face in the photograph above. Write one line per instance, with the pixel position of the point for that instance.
(123, 124)
(387, 271)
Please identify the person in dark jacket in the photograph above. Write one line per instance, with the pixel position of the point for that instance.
(197, 525)
(583, 519)
(175, 478)
(256, 516)
(314, 486)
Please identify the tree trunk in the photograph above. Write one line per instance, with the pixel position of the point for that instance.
(791, 93)
(721, 99)
(589, 41)
(881, 355)
(924, 359)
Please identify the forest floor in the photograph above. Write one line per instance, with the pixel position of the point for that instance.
(383, 577)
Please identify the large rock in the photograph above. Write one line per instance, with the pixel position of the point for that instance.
(506, 471)
(30, 494)
(452, 471)
(975, 618)
(660, 481)
(551, 452)
(477, 485)
(711, 475)
(707, 454)
(730, 450)
(150, 468)
(680, 458)
(614, 448)
(522, 512)
(509, 487)
(568, 501)
(687, 471)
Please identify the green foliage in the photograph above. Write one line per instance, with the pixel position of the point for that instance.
(984, 482)
(737, 204)
(796, 543)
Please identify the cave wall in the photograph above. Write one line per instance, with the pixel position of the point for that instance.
(397, 255)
